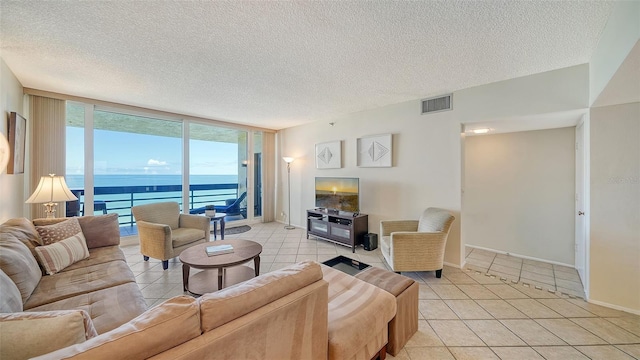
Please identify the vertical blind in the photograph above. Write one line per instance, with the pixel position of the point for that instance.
(268, 173)
(48, 129)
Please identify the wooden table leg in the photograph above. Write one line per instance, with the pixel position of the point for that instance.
(185, 277)
(256, 264)
(220, 276)
(222, 228)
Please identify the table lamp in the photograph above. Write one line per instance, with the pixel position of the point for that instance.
(51, 190)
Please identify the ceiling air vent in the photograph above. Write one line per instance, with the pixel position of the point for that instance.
(435, 104)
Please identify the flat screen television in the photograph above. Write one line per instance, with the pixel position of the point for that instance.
(338, 194)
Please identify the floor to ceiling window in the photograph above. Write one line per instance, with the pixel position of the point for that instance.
(75, 155)
(134, 159)
(218, 167)
(257, 173)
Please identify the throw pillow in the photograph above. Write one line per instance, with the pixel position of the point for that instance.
(10, 298)
(19, 264)
(101, 230)
(61, 254)
(50, 234)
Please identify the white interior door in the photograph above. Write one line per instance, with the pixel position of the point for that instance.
(580, 248)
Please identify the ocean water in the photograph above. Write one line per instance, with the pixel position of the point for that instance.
(122, 203)
(77, 181)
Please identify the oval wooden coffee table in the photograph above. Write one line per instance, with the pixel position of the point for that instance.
(225, 267)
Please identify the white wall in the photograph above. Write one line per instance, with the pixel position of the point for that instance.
(425, 172)
(549, 92)
(427, 166)
(617, 40)
(519, 193)
(11, 186)
(615, 206)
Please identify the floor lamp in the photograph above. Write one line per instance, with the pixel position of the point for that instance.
(289, 160)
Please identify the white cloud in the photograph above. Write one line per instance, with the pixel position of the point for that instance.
(154, 162)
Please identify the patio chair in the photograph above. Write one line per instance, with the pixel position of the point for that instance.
(165, 232)
(233, 206)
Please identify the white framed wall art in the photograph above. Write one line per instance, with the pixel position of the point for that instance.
(329, 155)
(375, 151)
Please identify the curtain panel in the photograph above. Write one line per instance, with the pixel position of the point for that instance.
(268, 176)
(48, 129)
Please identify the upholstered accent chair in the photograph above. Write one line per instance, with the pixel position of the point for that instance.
(164, 232)
(416, 245)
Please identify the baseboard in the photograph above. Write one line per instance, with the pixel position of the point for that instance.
(521, 256)
(615, 307)
(454, 265)
(286, 224)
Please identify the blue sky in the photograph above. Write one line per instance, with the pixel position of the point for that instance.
(128, 153)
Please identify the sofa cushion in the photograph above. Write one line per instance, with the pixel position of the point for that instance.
(101, 230)
(27, 334)
(170, 324)
(240, 299)
(59, 255)
(24, 230)
(19, 264)
(388, 281)
(99, 255)
(83, 280)
(355, 304)
(53, 233)
(184, 236)
(108, 308)
(434, 220)
(10, 299)
(167, 213)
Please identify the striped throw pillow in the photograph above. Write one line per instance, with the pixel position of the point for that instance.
(61, 254)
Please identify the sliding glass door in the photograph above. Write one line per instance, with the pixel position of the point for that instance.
(134, 159)
(137, 160)
(218, 170)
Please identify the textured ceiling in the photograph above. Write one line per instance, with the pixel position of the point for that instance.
(279, 64)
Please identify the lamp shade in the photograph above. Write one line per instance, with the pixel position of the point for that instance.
(51, 188)
(288, 159)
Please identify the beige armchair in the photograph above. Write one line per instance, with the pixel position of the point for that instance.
(416, 245)
(165, 232)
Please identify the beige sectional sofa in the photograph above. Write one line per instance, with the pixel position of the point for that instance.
(304, 311)
(101, 285)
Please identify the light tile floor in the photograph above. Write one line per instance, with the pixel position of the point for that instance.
(463, 315)
(541, 275)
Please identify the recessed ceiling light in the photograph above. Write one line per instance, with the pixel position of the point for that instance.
(480, 131)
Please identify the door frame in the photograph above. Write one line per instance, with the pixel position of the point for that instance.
(582, 178)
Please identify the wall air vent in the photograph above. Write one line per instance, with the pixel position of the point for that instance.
(435, 104)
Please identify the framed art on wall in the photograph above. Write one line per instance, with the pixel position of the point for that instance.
(375, 151)
(17, 137)
(329, 155)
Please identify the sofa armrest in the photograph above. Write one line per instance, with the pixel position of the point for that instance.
(389, 226)
(195, 222)
(417, 250)
(155, 239)
(27, 334)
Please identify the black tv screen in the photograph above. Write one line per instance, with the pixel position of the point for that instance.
(335, 193)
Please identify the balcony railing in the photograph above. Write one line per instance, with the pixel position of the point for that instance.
(120, 199)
